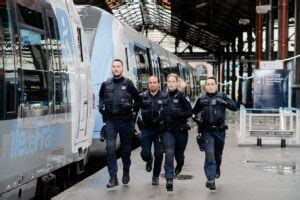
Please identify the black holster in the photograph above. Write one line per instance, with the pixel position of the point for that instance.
(200, 141)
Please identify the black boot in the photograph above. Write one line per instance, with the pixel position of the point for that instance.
(169, 185)
(218, 171)
(113, 181)
(211, 184)
(149, 165)
(178, 168)
(155, 180)
(126, 177)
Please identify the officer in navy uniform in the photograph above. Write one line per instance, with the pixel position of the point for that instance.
(175, 113)
(119, 101)
(151, 107)
(212, 107)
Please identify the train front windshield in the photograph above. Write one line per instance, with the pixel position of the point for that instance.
(7, 63)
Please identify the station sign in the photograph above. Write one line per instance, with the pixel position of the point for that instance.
(271, 64)
(270, 88)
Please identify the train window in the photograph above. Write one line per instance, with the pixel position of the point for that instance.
(8, 79)
(79, 38)
(143, 69)
(35, 73)
(165, 70)
(30, 17)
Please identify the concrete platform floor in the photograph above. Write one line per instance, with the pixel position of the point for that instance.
(247, 173)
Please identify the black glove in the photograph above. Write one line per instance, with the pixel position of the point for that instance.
(162, 126)
(101, 107)
(175, 115)
(222, 101)
(103, 133)
(140, 123)
(156, 120)
(198, 120)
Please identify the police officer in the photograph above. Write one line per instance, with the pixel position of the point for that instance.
(176, 111)
(118, 101)
(212, 106)
(151, 107)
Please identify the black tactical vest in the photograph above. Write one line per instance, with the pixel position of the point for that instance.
(152, 106)
(214, 113)
(173, 105)
(116, 99)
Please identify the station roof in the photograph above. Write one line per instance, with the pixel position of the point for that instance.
(207, 24)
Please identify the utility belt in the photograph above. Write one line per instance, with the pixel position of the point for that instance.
(148, 126)
(120, 117)
(177, 128)
(220, 127)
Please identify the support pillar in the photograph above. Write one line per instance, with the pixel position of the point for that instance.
(223, 70)
(249, 70)
(270, 33)
(227, 68)
(233, 76)
(219, 70)
(296, 87)
(241, 71)
(259, 22)
(282, 28)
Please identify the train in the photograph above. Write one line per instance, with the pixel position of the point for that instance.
(47, 103)
(108, 38)
(54, 56)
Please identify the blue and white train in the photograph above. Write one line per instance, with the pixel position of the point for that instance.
(50, 76)
(47, 104)
(108, 38)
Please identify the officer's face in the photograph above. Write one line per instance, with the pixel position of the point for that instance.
(153, 84)
(210, 86)
(117, 68)
(172, 83)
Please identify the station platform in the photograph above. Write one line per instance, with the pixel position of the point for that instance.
(247, 173)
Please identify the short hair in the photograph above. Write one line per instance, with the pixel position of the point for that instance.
(153, 76)
(118, 60)
(173, 75)
(213, 78)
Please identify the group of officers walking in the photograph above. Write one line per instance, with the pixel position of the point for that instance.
(163, 123)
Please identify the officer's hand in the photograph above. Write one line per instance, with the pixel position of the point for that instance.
(175, 115)
(221, 101)
(156, 120)
(197, 120)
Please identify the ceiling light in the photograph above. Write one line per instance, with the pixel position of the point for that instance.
(244, 21)
(263, 9)
(201, 5)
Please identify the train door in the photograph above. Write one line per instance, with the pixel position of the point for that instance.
(83, 82)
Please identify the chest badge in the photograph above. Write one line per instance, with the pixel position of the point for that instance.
(175, 101)
(123, 87)
(159, 101)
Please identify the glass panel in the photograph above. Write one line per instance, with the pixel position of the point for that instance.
(35, 73)
(7, 67)
(30, 17)
(143, 69)
(56, 80)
